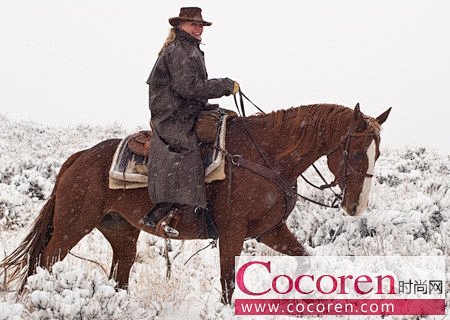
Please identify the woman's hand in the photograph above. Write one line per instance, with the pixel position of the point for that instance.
(236, 87)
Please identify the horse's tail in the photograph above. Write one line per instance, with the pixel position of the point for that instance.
(22, 262)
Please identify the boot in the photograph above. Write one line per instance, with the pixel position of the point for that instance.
(155, 215)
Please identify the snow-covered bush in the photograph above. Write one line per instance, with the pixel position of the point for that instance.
(71, 292)
(408, 214)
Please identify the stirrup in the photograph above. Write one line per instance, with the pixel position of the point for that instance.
(198, 210)
(169, 231)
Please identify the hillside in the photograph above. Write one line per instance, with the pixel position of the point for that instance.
(408, 214)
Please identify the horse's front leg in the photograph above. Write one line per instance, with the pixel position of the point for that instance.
(230, 246)
(282, 240)
(123, 239)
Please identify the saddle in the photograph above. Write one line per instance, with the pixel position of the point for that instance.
(139, 143)
(206, 129)
(129, 166)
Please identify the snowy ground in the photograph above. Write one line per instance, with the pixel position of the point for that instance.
(408, 214)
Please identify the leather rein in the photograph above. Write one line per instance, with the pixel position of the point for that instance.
(269, 172)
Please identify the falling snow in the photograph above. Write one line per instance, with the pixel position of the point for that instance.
(408, 214)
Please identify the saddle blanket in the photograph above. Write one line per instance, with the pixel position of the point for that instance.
(129, 169)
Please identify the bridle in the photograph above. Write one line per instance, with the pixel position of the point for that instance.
(341, 180)
(289, 191)
(348, 169)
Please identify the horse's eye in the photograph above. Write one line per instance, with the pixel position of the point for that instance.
(358, 156)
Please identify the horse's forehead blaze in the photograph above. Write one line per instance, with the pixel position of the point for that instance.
(368, 140)
(363, 200)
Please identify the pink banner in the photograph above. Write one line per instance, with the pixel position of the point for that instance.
(340, 306)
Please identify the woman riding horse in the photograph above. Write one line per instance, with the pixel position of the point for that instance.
(179, 89)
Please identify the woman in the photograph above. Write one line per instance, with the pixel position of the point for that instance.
(179, 89)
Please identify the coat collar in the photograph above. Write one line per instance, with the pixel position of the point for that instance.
(184, 36)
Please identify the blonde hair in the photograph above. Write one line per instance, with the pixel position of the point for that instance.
(170, 38)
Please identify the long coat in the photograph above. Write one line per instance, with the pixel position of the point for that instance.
(179, 89)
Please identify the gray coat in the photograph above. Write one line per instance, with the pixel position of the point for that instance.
(178, 90)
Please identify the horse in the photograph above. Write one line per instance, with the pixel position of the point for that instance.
(266, 154)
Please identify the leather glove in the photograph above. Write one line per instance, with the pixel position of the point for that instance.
(236, 87)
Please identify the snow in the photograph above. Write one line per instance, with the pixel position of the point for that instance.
(408, 214)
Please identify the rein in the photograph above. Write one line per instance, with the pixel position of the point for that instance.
(242, 95)
(283, 185)
(270, 173)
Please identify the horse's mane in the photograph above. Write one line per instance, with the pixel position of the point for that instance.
(303, 122)
(316, 111)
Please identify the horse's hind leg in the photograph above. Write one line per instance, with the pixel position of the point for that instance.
(74, 218)
(123, 239)
(60, 244)
(282, 240)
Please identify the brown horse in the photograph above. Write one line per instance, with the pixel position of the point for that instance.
(249, 203)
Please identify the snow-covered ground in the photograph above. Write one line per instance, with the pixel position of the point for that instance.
(408, 214)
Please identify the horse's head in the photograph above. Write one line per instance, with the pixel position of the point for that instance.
(352, 162)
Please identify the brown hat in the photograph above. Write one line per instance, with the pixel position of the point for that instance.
(191, 14)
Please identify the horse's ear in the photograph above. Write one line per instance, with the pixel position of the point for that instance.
(356, 112)
(358, 117)
(383, 117)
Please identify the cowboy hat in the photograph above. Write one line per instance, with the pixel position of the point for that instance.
(189, 14)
